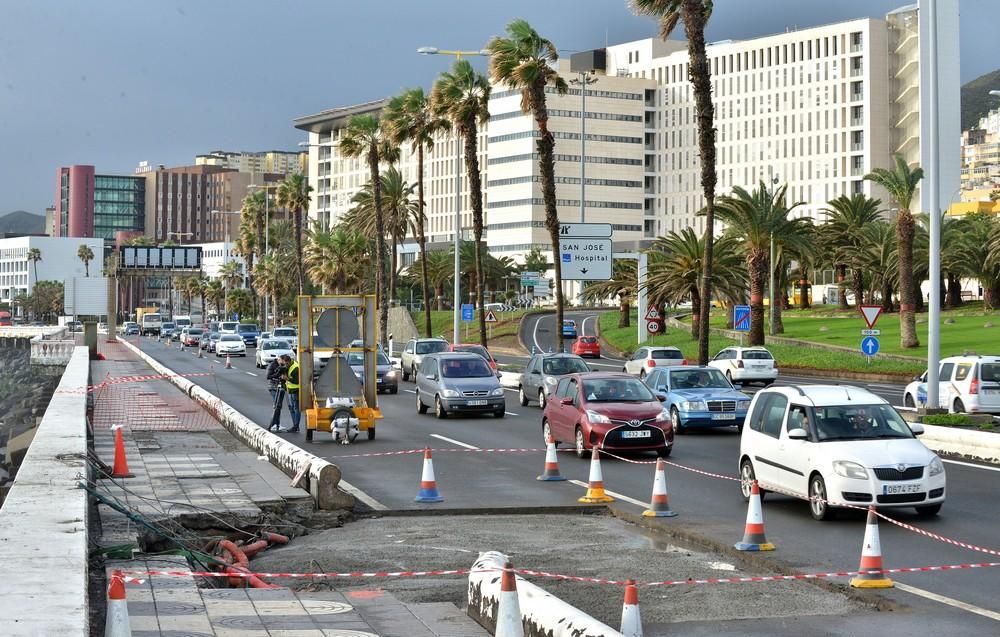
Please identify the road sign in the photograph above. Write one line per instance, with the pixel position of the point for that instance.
(869, 346)
(654, 327)
(585, 259)
(467, 312)
(580, 230)
(871, 313)
(871, 332)
(741, 318)
(490, 316)
(652, 314)
(530, 279)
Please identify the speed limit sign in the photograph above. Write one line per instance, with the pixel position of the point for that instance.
(654, 327)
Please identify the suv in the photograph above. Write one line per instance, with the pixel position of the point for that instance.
(248, 332)
(646, 358)
(413, 353)
(965, 384)
(836, 444)
(746, 364)
(458, 382)
(542, 374)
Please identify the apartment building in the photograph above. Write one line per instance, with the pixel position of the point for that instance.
(58, 262)
(269, 161)
(981, 155)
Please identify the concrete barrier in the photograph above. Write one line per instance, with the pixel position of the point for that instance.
(542, 613)
(322, 477)
(982, 446)
(43, 522)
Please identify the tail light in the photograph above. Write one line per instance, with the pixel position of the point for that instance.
(651, 363)
(684, 361)
(974, 386)
(739, 364)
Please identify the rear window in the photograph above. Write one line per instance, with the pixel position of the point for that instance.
(284, 331)
(757, 355)
(432, 347)
(665, 354)
(990, 372)
(474, 349)
(588, 339)
(194, 331)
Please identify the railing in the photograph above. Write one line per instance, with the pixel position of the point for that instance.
(51, 352)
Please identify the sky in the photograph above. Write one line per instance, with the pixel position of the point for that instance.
(115, 82)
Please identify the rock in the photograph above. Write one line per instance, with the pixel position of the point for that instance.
(949, 321)
(824, 328)
(920, 321)
(988, 324)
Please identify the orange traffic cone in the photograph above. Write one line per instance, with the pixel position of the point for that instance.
(595, 488)
(229, 363)
(871, 575)
(509, 608)
(428, 485)
(551, 471)
(753, 534)
(631, 619)
(116, 624)
(659, 506)
(120, 470)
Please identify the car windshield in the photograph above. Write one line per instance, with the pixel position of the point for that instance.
(231, 337)
(569, 323)
(990, 372)
(563, 365)
(698, 379)
(859, 422)
(246, 329)
(167, 326)
(194, 331)
(284, 331)
(616, 390)
(357, 359)
(432, 347)
(665, 354)
(275, 345)
(215, 336)
(757, 355)
(228, 325)
(465, 368)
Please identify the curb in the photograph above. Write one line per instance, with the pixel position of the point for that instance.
(980, 446)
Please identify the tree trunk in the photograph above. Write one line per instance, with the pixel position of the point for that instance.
(438, 292)
(842, 287)
(695, 312)
(425, 283)
(380, 278)
(954, 289)
(623, 311)
(757, 271)
(803, 294)
(907, 319)
(886, 295)
(393, 266)
(476, 197)
(546, 166)
(730, 316)
(858, 287)
(991, 294)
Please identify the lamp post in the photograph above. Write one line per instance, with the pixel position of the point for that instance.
(170, 278)
(431, 50)
(771, 282)
(267, 240)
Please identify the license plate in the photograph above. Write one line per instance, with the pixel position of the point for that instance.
(723, 416)
(476, 403)
(643, 433)
(380, 381)
(991, 390)
(892, 489)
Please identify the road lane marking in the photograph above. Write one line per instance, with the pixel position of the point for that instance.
(534, 333)
(949, 601)
(969, 464)
(410, 391)
(583, 325)
(510, 413)
(455, 442)
(620, 496)
(361, 495)
(251, 373)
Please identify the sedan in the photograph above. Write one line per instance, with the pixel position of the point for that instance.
(387, 379)
(263, 336)
(192, 336)
(131, 329)
(587, 346)
(699, 397)
(230, 345)
(213, 340)
(610, 411)
(270, 349)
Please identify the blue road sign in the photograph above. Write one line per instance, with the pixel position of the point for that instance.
(467, 312)
(869, 346)
(741, 318)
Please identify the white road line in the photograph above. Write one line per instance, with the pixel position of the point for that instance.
(410, 391)
(251, 373)
(510, 413)
(620, 496)
(454, 442)
(969, 464)
(949, 601)
(361, 495)
(534, 333)
(510, 389)
(583, 325)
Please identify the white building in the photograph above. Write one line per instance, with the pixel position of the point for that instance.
(58, 262)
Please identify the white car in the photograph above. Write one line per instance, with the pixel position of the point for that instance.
(965, 384)
(645, 359)
(290, 334)
(271, 349)
(836, 445)
(746, 365)
(263, 336)
(230, 345)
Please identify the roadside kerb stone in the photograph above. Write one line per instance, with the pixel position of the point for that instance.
(323, 477)
(982, 446)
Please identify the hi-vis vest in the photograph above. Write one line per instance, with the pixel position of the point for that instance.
(292, 383)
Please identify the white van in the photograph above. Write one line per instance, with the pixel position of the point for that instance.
(968, 383)
(182, 321)
(228, 327)
(151, 324)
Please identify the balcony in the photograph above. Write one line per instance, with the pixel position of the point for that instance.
(859, 146)
(908, 66)
(909, 39)
(857, 48)
(857, 71)
(857, 96)
(857, 172)
(857, 121)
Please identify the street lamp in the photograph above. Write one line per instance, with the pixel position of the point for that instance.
(170, 279)
(267, 239)
(432, 50)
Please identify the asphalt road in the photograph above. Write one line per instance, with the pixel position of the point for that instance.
(709, 506)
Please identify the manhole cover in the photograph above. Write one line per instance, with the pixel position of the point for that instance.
(325, 607)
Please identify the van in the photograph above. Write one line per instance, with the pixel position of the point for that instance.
(966, 384)
(228, 327)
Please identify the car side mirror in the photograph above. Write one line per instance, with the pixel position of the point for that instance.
(535, 371)
(661, 397)
(566, 401)
(916, 428)
(797, 434)
(918, 379)
(737, 386)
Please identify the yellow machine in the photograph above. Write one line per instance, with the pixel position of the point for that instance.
(334, 400)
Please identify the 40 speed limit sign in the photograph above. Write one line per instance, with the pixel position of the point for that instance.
(654, 327)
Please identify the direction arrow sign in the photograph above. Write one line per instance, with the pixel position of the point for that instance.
(871, 313)
(467, 310)
(578, 230)
(869, 346)
(585, 259)
(652, 314)
(741, 318)
(490, 316)
(653, 327)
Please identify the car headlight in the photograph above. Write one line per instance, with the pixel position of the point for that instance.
(848, 469)
(497, 391)
(390, 374)
(595, 417)
(742, 405)
(551, 380)
(663, 416)
(693, 405)
(449, 393)
(935, 467)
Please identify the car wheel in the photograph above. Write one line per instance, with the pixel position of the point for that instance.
(908, 401)
(521, 397)
(394, 389)
(624, 370)
(675, 420)
(929, 510)
(439, 411)
(581, 446)
(413, 372)
(959, 407)
(547, 433)
(309, 434)
(818, 506)
(664, 452)
(406, 375)
(421, 407)
(747, 476)
(642, 375)
(541, 398)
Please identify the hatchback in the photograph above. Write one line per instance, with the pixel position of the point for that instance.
(746, 365)
(569, 329)
(414, 352)
(965, 384)
(192, 336)
(646, 359)
(454, 382)
(542, 374)
(587, 346)
(230, 344)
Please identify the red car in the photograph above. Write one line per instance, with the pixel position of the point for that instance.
(477, 349)
(609, 410)
(587, 346)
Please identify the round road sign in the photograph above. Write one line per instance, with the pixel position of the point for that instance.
(654, 327)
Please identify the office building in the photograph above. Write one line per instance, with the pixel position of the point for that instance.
(271, 161)
(981, 156)
(58, 262)
(93, 205)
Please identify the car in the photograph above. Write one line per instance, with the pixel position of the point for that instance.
(74, 326)
(270, 349)
(477, 349)
(192, 336)
(587, 346)
(102, 328)
(213, 326)
(204, 340)
(130, 328)
(569, 328)
(542, 374)
(166, 328)
(968, 383)
(290, 334)
(414, 352)
(746, 365)
(248, 332)
(230, 345)
(835, 445)
(261, 337)
(458, 382)
(213, 340)
(645, 359)
(387, 376)
(611, 411)
(175, 333)
(699, 397)
(228, 327)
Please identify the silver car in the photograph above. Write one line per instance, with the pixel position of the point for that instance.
(415, 350)
(458, 382)
(542, 374)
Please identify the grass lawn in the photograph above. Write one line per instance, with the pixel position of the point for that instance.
(442, 325)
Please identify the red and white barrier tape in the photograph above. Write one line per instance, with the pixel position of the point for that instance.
(128, 379)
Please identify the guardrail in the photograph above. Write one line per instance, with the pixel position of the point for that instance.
(51, 352)
(43, 521)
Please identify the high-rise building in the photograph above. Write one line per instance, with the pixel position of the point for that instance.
(270, 161)
(93, 205)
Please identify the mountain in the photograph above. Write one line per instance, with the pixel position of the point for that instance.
(22, 222)
(976, 98)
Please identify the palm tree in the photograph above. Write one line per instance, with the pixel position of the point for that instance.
(271, 279)
(34, 255)
(215, 290)
(463, 97)
(879, 258)
(364, 137)
(184, 286)
(240, 301)
(440, 266)
(754, 218)
(847, 217)
(335, 259)
(251, 240)
(624, 284)
(85, 254)
(524, 61)
(979, 246)
(409, 118)
(695, 15)
(231, 274)
(901, 182)
(293, 195)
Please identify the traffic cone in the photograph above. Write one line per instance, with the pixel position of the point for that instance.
(229, 363)
(659, 506)
(428, 486)
(753, 534)
(595, 489)
(116, 624)
(200, 354)
(871, 575)
(120, 470)
(631, 619)
(551, 472)
(509, 608)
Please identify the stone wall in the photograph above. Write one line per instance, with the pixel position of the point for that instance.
(401, 327)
